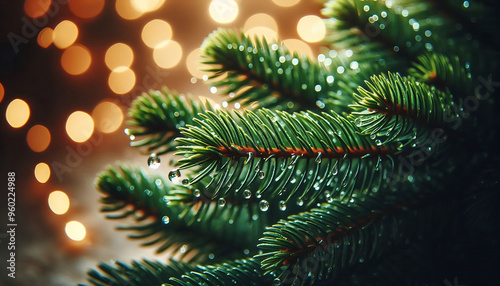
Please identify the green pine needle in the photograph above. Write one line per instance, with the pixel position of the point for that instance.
(156, 117)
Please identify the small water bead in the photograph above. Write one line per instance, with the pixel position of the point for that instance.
(148, 192)
(249, 157)
(358, 122)
(247, 194)
(366, 8)
(261, 175)
(185, 182)
(197, 193)
(276, 281)
(221, 202)
(154, 161)
(282, 205)
(300, 202)
(378, 142)
(132, 137)
(174, 176)
(264, 205)
(318, 158)
(165, 219)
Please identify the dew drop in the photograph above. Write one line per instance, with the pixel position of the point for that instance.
(300, 202)
(185, 182)
(132, 137)
(127, 131)
(318, 158)
(165, 219)
(378, 142)
(250, 156)
(174, 175)
(154, 161)
(335, 169)
(358, 122)
(264, 205)
(247, 194)
(221, 202)
(282, 205)
(148, 192)
(277, 281)
(261, 175)
(197, 193)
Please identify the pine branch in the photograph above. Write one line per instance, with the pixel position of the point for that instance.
(239, 272)
(267, 73)
(378, 30)
(290, 156)
(401, 109)
(158, 116)
(139, 273)
(444, 73)
(326, 242)
(179, 219)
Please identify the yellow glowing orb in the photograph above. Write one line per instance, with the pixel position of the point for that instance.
(107, 117)
(65, 34)
(75, 230)
(223, 11)
(79, 126)
(311, 28)
(17, 113)
(119, 55)
(42, 172)
(168, 54)
(58, 202)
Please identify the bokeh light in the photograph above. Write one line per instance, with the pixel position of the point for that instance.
(107, 117)
(145, 6)
(301, 47)
(223, 11)
(168, 54)
(119, 55)
(42, 172)
(261, 25)
(45, 37)
(65, 34)
(86, 8)
(311, 28)
(76, 59)
(156, 32)
(17, 113)
(125, 9)
(194, 65)
(2, 92)
(286, 3)
(121, 80)
(36, 8)
(38, 138)
(59, 202)
(79, 126)
(75, 230)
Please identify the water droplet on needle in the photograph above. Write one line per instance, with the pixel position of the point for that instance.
(154, 161)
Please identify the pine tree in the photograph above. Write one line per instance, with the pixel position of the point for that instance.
(374, 164)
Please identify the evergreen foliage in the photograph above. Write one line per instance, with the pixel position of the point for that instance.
(373, 165)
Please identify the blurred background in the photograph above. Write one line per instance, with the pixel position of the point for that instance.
(68, 73)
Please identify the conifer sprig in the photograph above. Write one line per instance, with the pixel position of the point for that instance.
(268, 73)
(176, 217)
(284, 155)
(400, 109)
(155, 119)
